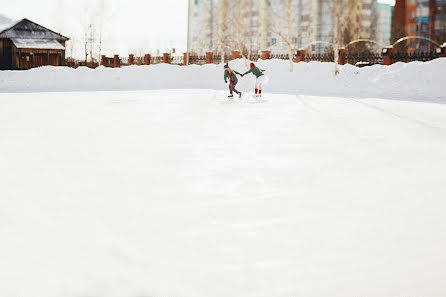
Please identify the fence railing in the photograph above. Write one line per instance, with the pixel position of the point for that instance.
(416, 56)
(364, 59)
(319, 57)
(386, 57)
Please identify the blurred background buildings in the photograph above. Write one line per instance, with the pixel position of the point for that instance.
(250, 26)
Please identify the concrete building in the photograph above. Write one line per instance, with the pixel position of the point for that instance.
(257, 25)
(384, 25)
(218, 25)
(439, 22)
(421, 18)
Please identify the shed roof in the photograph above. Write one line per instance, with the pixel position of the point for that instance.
(37, 44)
(26, 29)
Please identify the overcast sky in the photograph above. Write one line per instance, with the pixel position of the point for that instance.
(130, 25)
(136, 26)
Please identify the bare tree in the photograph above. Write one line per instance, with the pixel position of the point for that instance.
(100, 25)
(286, 19)
(336, 35)
(222, 42)
(239, 27)
(86, 42)
(264, 15)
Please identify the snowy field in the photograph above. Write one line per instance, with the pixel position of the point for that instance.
(184, 193)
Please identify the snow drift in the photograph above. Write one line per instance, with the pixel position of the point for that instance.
(416, 80)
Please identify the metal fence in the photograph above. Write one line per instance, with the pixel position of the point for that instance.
(216, 59)
(197, 60)
(363, 59)
(156, 60)
(177, 60)
(416, 56)
(280, 57)
(319, 57)
(358, 59)
(139, 61)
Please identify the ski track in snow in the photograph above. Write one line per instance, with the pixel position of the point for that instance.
(187, 193)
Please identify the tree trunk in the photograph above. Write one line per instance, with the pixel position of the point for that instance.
(336, 37)
(290, 56)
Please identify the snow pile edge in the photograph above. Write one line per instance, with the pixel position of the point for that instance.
(415, 80)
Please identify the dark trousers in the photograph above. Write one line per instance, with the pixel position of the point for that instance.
(232, 85)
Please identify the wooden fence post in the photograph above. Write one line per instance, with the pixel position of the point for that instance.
(102, 60)
(235, 55)
(387, 55)
(116, 63)
(341, 56)
(146, 59)
(265, 55)
(209, 56)
(185, 59)
(300, 55)
(166, 58)
(131, 59)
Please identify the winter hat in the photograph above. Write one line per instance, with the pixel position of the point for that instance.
(252, 65)
(226, 66)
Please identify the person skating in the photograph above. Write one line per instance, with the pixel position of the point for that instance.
(232, 74)
(260, 78)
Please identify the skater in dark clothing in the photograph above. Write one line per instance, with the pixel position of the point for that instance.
(232, 75)
(260, 78)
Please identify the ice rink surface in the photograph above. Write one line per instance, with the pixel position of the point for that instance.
(185, 193)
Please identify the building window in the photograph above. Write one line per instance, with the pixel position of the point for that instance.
(273, 41)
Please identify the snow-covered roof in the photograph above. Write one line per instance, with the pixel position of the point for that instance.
(37, 43)
(30, 30)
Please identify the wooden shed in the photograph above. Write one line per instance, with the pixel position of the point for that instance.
(26, 45)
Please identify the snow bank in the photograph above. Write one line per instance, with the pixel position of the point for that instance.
(416, 80)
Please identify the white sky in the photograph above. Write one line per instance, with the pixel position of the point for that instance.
(391, 2)
(130, 26)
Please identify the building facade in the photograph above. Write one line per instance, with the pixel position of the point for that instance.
(384, 26)
(27, 45)
(439, 22)
(255, 25)
(423, 19)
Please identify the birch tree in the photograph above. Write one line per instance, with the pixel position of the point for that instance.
(336, 35)
(222, 28)
(239, 18)
(285, 25)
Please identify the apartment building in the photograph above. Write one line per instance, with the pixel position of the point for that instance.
(384, 24)
(425, 19)
(255, 25)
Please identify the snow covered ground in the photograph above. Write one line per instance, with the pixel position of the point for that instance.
(183, 193)
(417, 81)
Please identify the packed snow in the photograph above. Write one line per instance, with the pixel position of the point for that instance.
(415, 81)
(37, 43)
(183, 192)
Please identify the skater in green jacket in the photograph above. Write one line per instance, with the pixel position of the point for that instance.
(232, 75)
(260, 78)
